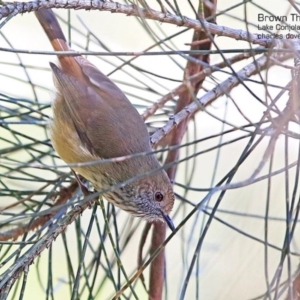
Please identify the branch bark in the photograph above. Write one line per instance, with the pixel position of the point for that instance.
(157, 269)
(9, 9)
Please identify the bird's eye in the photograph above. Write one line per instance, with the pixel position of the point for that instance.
(159, 197)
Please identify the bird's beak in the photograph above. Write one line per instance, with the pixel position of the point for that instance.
(169, 221)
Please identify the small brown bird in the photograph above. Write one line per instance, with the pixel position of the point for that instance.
(92, 120)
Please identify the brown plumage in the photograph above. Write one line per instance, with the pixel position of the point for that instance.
(94, 120)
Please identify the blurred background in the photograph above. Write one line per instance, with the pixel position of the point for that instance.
(240, 244)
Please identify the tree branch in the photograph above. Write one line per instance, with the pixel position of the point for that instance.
(9, 9)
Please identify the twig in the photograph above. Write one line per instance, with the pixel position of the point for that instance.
(13, 273)
(13, 234)
(224, 87)
(14, 8)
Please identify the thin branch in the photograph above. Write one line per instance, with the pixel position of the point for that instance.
(8, 9)
(13, 273)
(223, 88)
